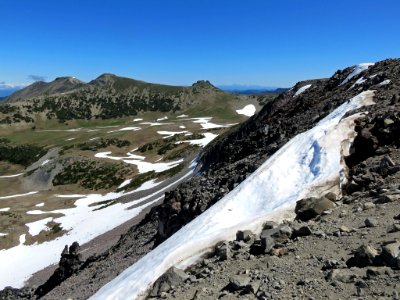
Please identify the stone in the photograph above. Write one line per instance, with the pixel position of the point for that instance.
(377, 271)
(269, 225)
(331, 196)
(391, 254)
(283, 234)
(171, 278)
(309, 208)
(368, 205)
(245, 235)
(300, 230)
(222, 251)
(365, 255)
(371, 222)
(238, 282)
(393, 228)
(387, 198)
(267, 243)
(344, 228)
(341, 275)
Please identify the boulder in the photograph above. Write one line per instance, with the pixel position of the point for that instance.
(391, 254)
(173, 277)
(309, 208)
(238, 282)
(364, 256)
(244, 236)
(341, 275)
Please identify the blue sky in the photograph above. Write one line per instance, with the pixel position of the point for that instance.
(257, 42)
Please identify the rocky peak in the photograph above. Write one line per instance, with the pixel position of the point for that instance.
(203, 84)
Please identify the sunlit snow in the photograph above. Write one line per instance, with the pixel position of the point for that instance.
(11, 176)
(310, 163)
(208, 137)
(302, 89)
(357, 70)
(83, 223)
(36, 227)
(18, 195)
(248, 110)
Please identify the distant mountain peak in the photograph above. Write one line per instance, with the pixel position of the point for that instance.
(205, 84)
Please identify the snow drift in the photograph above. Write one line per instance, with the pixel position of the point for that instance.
(309, 164)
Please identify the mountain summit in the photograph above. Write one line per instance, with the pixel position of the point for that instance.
(41, 88)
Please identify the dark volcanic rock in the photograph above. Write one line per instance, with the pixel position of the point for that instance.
(69, 264)
(309, 208)
(173, 277)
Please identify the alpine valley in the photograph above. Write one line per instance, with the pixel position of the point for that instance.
(122, 189)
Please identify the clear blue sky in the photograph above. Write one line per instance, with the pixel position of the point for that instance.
(269, 43)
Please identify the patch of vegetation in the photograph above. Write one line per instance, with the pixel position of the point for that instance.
(92, 175)
(24, 155)
(181, 152)
(103, 143)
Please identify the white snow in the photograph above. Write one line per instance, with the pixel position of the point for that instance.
(95, 138)
(357, 70)
(11, 176)
(83, 223)
(148, 185)
(45, 162)
(22, 239)
(41, 204)
(125, 183)
(162, 119)
(358, 82)
(155, 123)
(248, 110)
(309, 164)
(182, 116)
(302, 89)
(5, 209)
(208, 137)
(385, 82)
(137, 160)
(36, 227)
(170, 133)
(70, 139)
(137, 119)
(182, 127)
(130, 128)
(18, 195)
(206, 124)
(3, 234)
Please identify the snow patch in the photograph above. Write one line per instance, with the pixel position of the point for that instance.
(131, 128)
(302, 89)
(125, 183)
(358, 82)
(18, 195)
(162, 119)
(155, 123)
(45, 162)
(36, 227)
(5, 209)
(206, 124)
(182, 116)
(208, 137)
(357, 70)
(137, 160)
(11, 176)
(83, 223)
(40, 204)
(3, 234)
(310, 162)
(70, 139)
(137, 120)
(248, 110)
(385, 82)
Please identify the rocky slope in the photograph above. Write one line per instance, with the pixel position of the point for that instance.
(229, 161)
